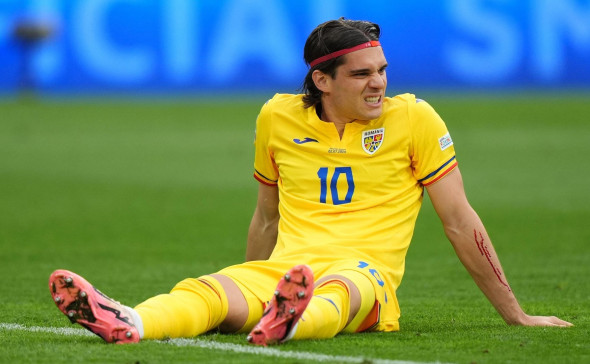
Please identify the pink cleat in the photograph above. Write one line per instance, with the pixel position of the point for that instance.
(293, 293)
(87, 306)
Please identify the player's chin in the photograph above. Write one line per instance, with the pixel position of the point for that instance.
(373, 109)
(372, 113)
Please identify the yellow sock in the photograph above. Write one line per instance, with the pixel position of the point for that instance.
(327, 312)
(191, 308)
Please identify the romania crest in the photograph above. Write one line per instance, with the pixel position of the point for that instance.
(372, 140)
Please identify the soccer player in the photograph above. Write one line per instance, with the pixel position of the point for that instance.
(342, 171)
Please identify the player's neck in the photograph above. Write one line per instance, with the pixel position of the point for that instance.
(329, 118)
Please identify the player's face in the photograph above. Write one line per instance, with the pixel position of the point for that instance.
(358, 89)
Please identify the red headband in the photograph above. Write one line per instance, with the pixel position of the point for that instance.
(373, 43)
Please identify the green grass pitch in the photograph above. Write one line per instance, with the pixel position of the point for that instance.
(137, 195)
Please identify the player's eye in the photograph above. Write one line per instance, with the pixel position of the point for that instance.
(360, 74)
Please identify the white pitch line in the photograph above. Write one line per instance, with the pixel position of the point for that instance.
(65, 331)
(244, 349)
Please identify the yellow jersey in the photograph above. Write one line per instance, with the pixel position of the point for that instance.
(355, 197)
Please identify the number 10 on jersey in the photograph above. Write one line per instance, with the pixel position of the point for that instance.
(336, 174)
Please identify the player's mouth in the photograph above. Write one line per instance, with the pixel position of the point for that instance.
(373, 100)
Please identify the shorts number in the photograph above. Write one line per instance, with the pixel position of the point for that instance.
(338, 171)
(373, 272)
(375, 275)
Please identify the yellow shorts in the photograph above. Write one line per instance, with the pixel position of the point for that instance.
(258, 279)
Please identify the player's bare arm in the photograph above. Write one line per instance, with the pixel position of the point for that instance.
(262, 234)
(474, 248)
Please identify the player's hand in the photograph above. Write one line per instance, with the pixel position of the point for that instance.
(544, 321)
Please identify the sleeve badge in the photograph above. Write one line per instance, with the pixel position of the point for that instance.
(445, 141)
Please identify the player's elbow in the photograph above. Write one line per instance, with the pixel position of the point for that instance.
(459, 225)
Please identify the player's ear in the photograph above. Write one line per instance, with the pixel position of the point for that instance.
(321, 80)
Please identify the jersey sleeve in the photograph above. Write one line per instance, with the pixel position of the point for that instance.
(433, 152)
(265, 169)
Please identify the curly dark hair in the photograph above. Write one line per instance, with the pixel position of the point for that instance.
(332, 36)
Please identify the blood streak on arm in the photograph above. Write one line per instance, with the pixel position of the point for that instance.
(483, 249)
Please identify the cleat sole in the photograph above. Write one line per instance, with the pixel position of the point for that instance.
(288, 303)
(85, 305)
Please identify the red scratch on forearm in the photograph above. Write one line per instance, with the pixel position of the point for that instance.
(483, 249)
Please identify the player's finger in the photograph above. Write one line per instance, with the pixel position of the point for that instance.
(562, 323)
(554, 321)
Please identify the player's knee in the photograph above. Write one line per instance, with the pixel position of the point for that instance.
(236, 318)
(237, 307)
(244, 308)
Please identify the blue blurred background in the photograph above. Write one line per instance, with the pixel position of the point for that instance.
(202, 46)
